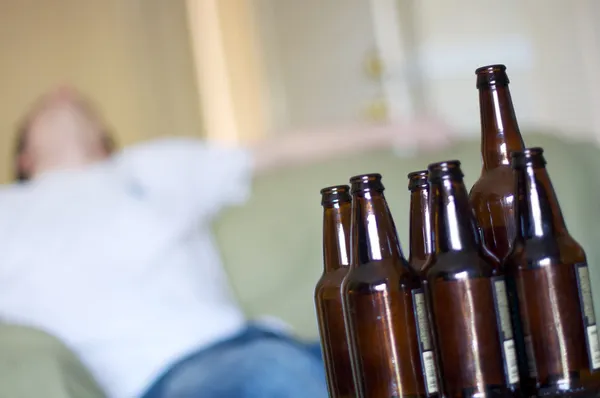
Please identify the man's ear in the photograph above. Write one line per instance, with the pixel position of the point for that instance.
(23, 166)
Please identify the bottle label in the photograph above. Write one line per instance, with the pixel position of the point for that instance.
(505, 331)
(425, 342)
(587, 314)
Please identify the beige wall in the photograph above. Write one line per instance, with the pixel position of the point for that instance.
(132, 56)
(317, 50)
(543, 44)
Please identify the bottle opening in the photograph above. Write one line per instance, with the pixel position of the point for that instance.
(417, 180)
(491, 75)
(528, 157)
(335, 194)
(445, 169)
(490, 68)
(366, 182)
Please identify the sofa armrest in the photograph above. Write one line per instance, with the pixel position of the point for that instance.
(34, 364)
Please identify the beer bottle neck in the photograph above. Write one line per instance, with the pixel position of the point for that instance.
(454, 223)
(500, 133)
(374, 235)
(336, 236)
(420, 227)
(538, 211)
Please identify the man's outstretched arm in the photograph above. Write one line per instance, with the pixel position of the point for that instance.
(305, 147)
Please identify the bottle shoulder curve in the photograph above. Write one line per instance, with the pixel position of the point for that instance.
(459, 266)
(377, 275)
(332, 278)
(562, 250)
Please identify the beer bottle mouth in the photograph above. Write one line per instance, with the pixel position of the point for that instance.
(491, 75)
(490, 68)
(446, 169)
(417, 180)
(335, 194)
(533, 156)
(366, 183)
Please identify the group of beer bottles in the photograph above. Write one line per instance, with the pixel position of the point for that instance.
(494, 299)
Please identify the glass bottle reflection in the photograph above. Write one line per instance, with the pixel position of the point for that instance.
(492, 195)
(420, 220)
(551, 276)
(468, 300)
(337, 207)
(383, 300)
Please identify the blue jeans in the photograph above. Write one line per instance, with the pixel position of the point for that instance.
(256, 363)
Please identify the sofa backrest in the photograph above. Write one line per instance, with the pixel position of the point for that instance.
(272, 245)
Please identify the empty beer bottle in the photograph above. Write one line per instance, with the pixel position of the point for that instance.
(468, 301)
(420, 220)
(384, 304)
(551, 275)
(492, 196)
(336, 202)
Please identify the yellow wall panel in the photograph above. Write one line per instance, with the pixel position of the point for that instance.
(132, 57)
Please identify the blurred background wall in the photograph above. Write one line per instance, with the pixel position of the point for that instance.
(339, 60)
(131, 56)
(240, 70)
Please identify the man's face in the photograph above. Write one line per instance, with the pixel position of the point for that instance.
(62, 132)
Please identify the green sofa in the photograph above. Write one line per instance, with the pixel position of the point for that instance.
(272, 249)
(272, 245)
(34, 364)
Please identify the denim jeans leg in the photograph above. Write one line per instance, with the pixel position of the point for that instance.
(315, 349)
(259, 368)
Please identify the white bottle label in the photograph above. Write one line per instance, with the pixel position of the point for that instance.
(511, 361)
(588, 315)
(505, 331)
(425, 344)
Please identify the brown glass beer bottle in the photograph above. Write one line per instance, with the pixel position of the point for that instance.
(337, 207)
(420, 220)
(492, 196)
(467, 297)
(386, 313)
(551, 276)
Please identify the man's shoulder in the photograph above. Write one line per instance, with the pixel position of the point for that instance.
(62, 182)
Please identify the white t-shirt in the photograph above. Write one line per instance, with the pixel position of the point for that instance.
(118, 259)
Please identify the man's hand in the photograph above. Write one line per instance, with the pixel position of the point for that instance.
(421, 135)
